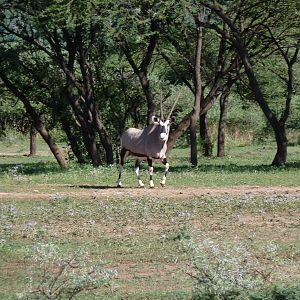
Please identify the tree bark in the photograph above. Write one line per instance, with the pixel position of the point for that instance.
(223, 116)
(33, 138)
(222, 124)
(278, 128)
(207, 101)
(205, 136)
(281, 142)
(73, 141)
(88, 134)
(88, 96)
(98, 123)
(198, 92)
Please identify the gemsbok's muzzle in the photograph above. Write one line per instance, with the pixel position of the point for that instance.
(163, 133)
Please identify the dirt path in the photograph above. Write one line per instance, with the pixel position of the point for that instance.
(86, 191)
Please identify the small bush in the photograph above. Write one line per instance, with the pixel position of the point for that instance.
(223, 271)
(56, 275)
(288, 292)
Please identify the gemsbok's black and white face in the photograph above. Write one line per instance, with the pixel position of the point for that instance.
(164, 127)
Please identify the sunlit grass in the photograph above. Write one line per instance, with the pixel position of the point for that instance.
(141, 236)
(242, 166)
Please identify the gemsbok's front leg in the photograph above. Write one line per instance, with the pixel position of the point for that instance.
(137, 172)
(165, 162)
(150, 167)
(123, 154)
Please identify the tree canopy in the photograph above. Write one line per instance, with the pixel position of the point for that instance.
(92, 68)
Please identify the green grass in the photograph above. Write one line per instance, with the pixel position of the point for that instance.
(248, 165)
(142, 237)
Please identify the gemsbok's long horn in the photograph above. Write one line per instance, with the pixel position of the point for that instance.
(176, 100)
(161, 105)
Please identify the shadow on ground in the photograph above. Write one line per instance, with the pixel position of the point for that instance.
(36, 168)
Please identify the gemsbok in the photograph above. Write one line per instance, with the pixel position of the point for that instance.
(147, 144)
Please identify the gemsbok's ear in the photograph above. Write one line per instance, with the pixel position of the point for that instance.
(155, 120)
(173, 119)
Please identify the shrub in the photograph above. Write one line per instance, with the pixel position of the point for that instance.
(222, 271)
(55, 275)
(288, 292)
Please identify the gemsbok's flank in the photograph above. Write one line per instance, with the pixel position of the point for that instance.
(147, 144)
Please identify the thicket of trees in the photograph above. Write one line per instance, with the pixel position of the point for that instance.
(93, 67)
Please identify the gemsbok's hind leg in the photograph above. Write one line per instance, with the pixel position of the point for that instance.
(165, 162)
(137, 172)
(150, 168)
(123, 154)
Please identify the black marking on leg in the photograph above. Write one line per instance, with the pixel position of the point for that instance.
(149, 160)
(123, 153)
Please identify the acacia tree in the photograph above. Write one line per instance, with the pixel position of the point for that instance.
(135, 28)
(268, 21)
(218, 65)
(67, 42)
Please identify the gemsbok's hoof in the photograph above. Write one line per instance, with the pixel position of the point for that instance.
(141, 184)
(162, 184)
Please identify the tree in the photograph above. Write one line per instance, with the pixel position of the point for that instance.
(198, 90)
(36, 119)
(66, 41)
(258, 15)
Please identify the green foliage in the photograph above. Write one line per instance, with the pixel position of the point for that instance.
(223, 271)
(30, 30)
(56, 275)
(12, 114)
(278, 292)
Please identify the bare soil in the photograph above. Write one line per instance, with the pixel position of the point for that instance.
(83, 191)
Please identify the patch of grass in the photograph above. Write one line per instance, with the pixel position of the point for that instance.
(245, 166)
(141, 237)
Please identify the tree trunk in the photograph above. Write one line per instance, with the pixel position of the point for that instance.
(238, 42)
(198, 91)
(205, 136)
(33, 138)
(222, 122)
(149, 95)
(206, 102)
(84, 120)
(58, 154)
(281, 154)
(73, 142)
(109, 155)
(174, 135)
(88, 97)
(281, 141)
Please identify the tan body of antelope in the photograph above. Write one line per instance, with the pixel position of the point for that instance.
(147, 144)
